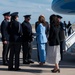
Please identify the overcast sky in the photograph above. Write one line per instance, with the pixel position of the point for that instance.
(33, 7)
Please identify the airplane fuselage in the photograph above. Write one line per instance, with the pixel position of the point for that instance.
(64, 6)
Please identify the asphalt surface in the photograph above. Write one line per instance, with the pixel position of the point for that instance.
(67, 65)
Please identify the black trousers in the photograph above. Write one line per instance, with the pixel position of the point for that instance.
(27, 50)
(14, 51)
(62, 47)
(5, 52)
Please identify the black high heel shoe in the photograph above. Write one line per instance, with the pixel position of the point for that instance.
(55, 71)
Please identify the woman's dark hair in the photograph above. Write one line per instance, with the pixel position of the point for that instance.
(54, 20)
(13, 18)
(51, 18)
(41, 19)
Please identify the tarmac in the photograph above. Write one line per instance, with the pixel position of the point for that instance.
(67, 65)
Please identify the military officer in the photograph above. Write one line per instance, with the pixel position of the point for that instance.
(62, 36)
(14, 30)
(5, 37)
(27, 39)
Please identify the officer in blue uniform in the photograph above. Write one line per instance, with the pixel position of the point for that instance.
(62, 36)
(5, 37)
(27, 39)
(15, 33)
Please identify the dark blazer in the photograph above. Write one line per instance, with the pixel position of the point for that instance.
(27, 32)
(15, 31)
(54, 37)
(5, 35)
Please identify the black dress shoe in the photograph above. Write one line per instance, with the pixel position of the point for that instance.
(26, 62)
(17, 69)
(55, 71)
(11, 69)
(5, 64)
(30, 61)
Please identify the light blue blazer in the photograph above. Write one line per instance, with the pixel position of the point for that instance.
(41, 35)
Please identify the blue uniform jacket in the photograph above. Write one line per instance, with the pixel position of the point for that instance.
(15, 31)
(5, 35)
(27, 32)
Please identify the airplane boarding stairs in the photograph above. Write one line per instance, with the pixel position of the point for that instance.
(70, 44)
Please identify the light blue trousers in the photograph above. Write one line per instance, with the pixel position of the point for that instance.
(42, 52)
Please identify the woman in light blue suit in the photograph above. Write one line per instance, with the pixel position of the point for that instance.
(41, 39)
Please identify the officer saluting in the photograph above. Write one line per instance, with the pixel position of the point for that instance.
(5, 37)
(14, 30)
(27, 39)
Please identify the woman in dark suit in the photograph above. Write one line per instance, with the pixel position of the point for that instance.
(53, 52)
